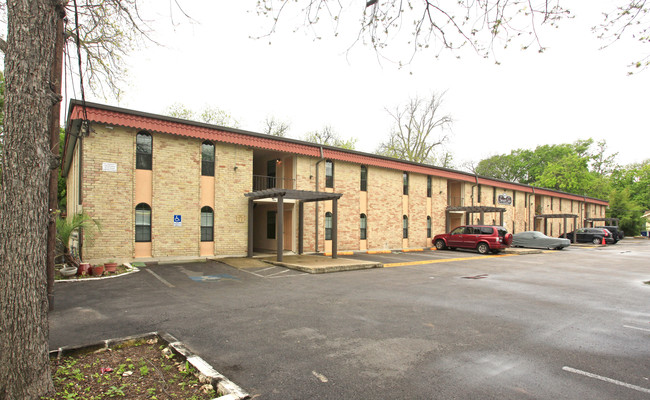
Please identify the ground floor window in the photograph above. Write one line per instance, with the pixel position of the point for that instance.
(363, 225)
(428, 227)
(143, 223)
(207, 224)
(328, 226)
(405, 227)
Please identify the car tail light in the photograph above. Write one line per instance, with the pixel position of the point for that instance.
(606, 234)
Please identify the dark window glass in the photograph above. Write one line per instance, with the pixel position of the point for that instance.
(270, 224)
(479, 193)
(363, 225)
(271, 166)
(494, 196)
(329, 174)
(364, 178)
(143, 151)
(405, 227)
(328, 226)
(405, 177)
(428, 186)
(142, 223)
(207, 159)
(207, 224)
(428, 227)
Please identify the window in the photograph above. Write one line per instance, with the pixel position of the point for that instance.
(479, 193)
(494, 196)
(428, 186)
(405, 227)
(364, 178)
(363, 227)
(143, 151)
(405, 177)
(270, 224)
(207, 159)
(329, 174)
(328, 226)
(514, 198)
(207, 224)
(428, 226)
(143, 223)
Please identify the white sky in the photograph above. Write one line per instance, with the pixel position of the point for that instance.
(572, 91)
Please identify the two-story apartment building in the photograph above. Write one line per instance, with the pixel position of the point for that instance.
(163, 187)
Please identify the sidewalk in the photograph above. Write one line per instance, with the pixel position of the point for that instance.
(313, 264)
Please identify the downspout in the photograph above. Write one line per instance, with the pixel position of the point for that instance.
(322, 158)
(530, 226)
(472, 196)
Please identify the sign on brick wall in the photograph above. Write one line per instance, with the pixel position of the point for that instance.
(177, 220)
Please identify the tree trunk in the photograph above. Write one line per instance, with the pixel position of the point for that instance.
(24, 364)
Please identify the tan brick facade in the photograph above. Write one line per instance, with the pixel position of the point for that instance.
(108, 194)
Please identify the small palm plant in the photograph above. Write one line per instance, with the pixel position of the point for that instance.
(65, 227)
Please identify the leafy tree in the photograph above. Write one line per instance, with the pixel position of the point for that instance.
(635, 178)
(102, 31)
(417, 25)
(275, 127)
(65, 227)
(209, 115)
(629, 213)
(416, 125)
(328, 137)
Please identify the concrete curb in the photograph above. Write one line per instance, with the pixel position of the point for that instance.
(132, 270)
(327, 269)
(226, 389)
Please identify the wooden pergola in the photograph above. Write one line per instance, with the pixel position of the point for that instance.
(546, 217)
(609, 221)
(303, 196)
(469, 210)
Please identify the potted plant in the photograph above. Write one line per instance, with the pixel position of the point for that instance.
(98, 270)
(68, 270)
(110, 266)
(65, 227)
(84, 269)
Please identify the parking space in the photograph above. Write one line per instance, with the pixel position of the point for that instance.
(562, 324)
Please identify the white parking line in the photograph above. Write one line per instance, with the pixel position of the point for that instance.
(160, 278)
(605, 379)
(636, 327)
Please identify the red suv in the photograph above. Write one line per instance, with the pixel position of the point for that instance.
(483, 238)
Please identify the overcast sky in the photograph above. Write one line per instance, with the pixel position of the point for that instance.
(572, 91)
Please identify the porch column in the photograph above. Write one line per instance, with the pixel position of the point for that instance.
(564, 221)
(482, 217)
(575, 228)
(447, 222)
(250, 228)
(335, 224)
(301, 225)
(279, 220)
(501, 218)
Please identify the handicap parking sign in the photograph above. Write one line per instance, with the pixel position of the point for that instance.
(177, 220)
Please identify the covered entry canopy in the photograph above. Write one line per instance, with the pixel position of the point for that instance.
(615, 221)
(473, 210)
(303, 196)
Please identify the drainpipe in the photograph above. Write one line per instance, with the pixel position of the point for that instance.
(322, 158)
(473, 186)
(532, 227)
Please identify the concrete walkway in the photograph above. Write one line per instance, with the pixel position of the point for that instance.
(313, 264)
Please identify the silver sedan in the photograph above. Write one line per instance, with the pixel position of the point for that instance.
(538, 240)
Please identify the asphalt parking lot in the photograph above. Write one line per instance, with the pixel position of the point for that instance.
(437, 325)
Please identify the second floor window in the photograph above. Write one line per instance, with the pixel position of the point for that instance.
(364, 178)
(428, 186)
(143, 151)
(207, 159)
(329, 174)
(405, 178)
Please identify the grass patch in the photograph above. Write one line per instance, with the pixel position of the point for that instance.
(139, 370)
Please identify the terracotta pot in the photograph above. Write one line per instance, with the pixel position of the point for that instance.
(98, 270)
(110, 267)
(84, 269)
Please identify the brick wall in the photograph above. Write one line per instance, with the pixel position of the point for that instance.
(108, 196)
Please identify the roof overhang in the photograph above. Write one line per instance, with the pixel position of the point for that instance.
(304, 196)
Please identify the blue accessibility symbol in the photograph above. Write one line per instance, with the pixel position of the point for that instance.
(177, 218)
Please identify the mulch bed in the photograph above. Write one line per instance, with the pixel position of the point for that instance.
(141, 370)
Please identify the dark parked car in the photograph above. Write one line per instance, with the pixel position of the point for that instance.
(616, 231)
(538, 240)
(592, 235)
(483, 238)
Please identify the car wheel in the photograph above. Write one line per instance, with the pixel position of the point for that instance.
(440, 244)
(482, 248)
(597, 240)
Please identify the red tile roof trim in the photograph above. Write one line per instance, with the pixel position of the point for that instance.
(143, 122)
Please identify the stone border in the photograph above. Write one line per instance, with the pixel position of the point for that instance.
(226, 389)
(131, 270)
